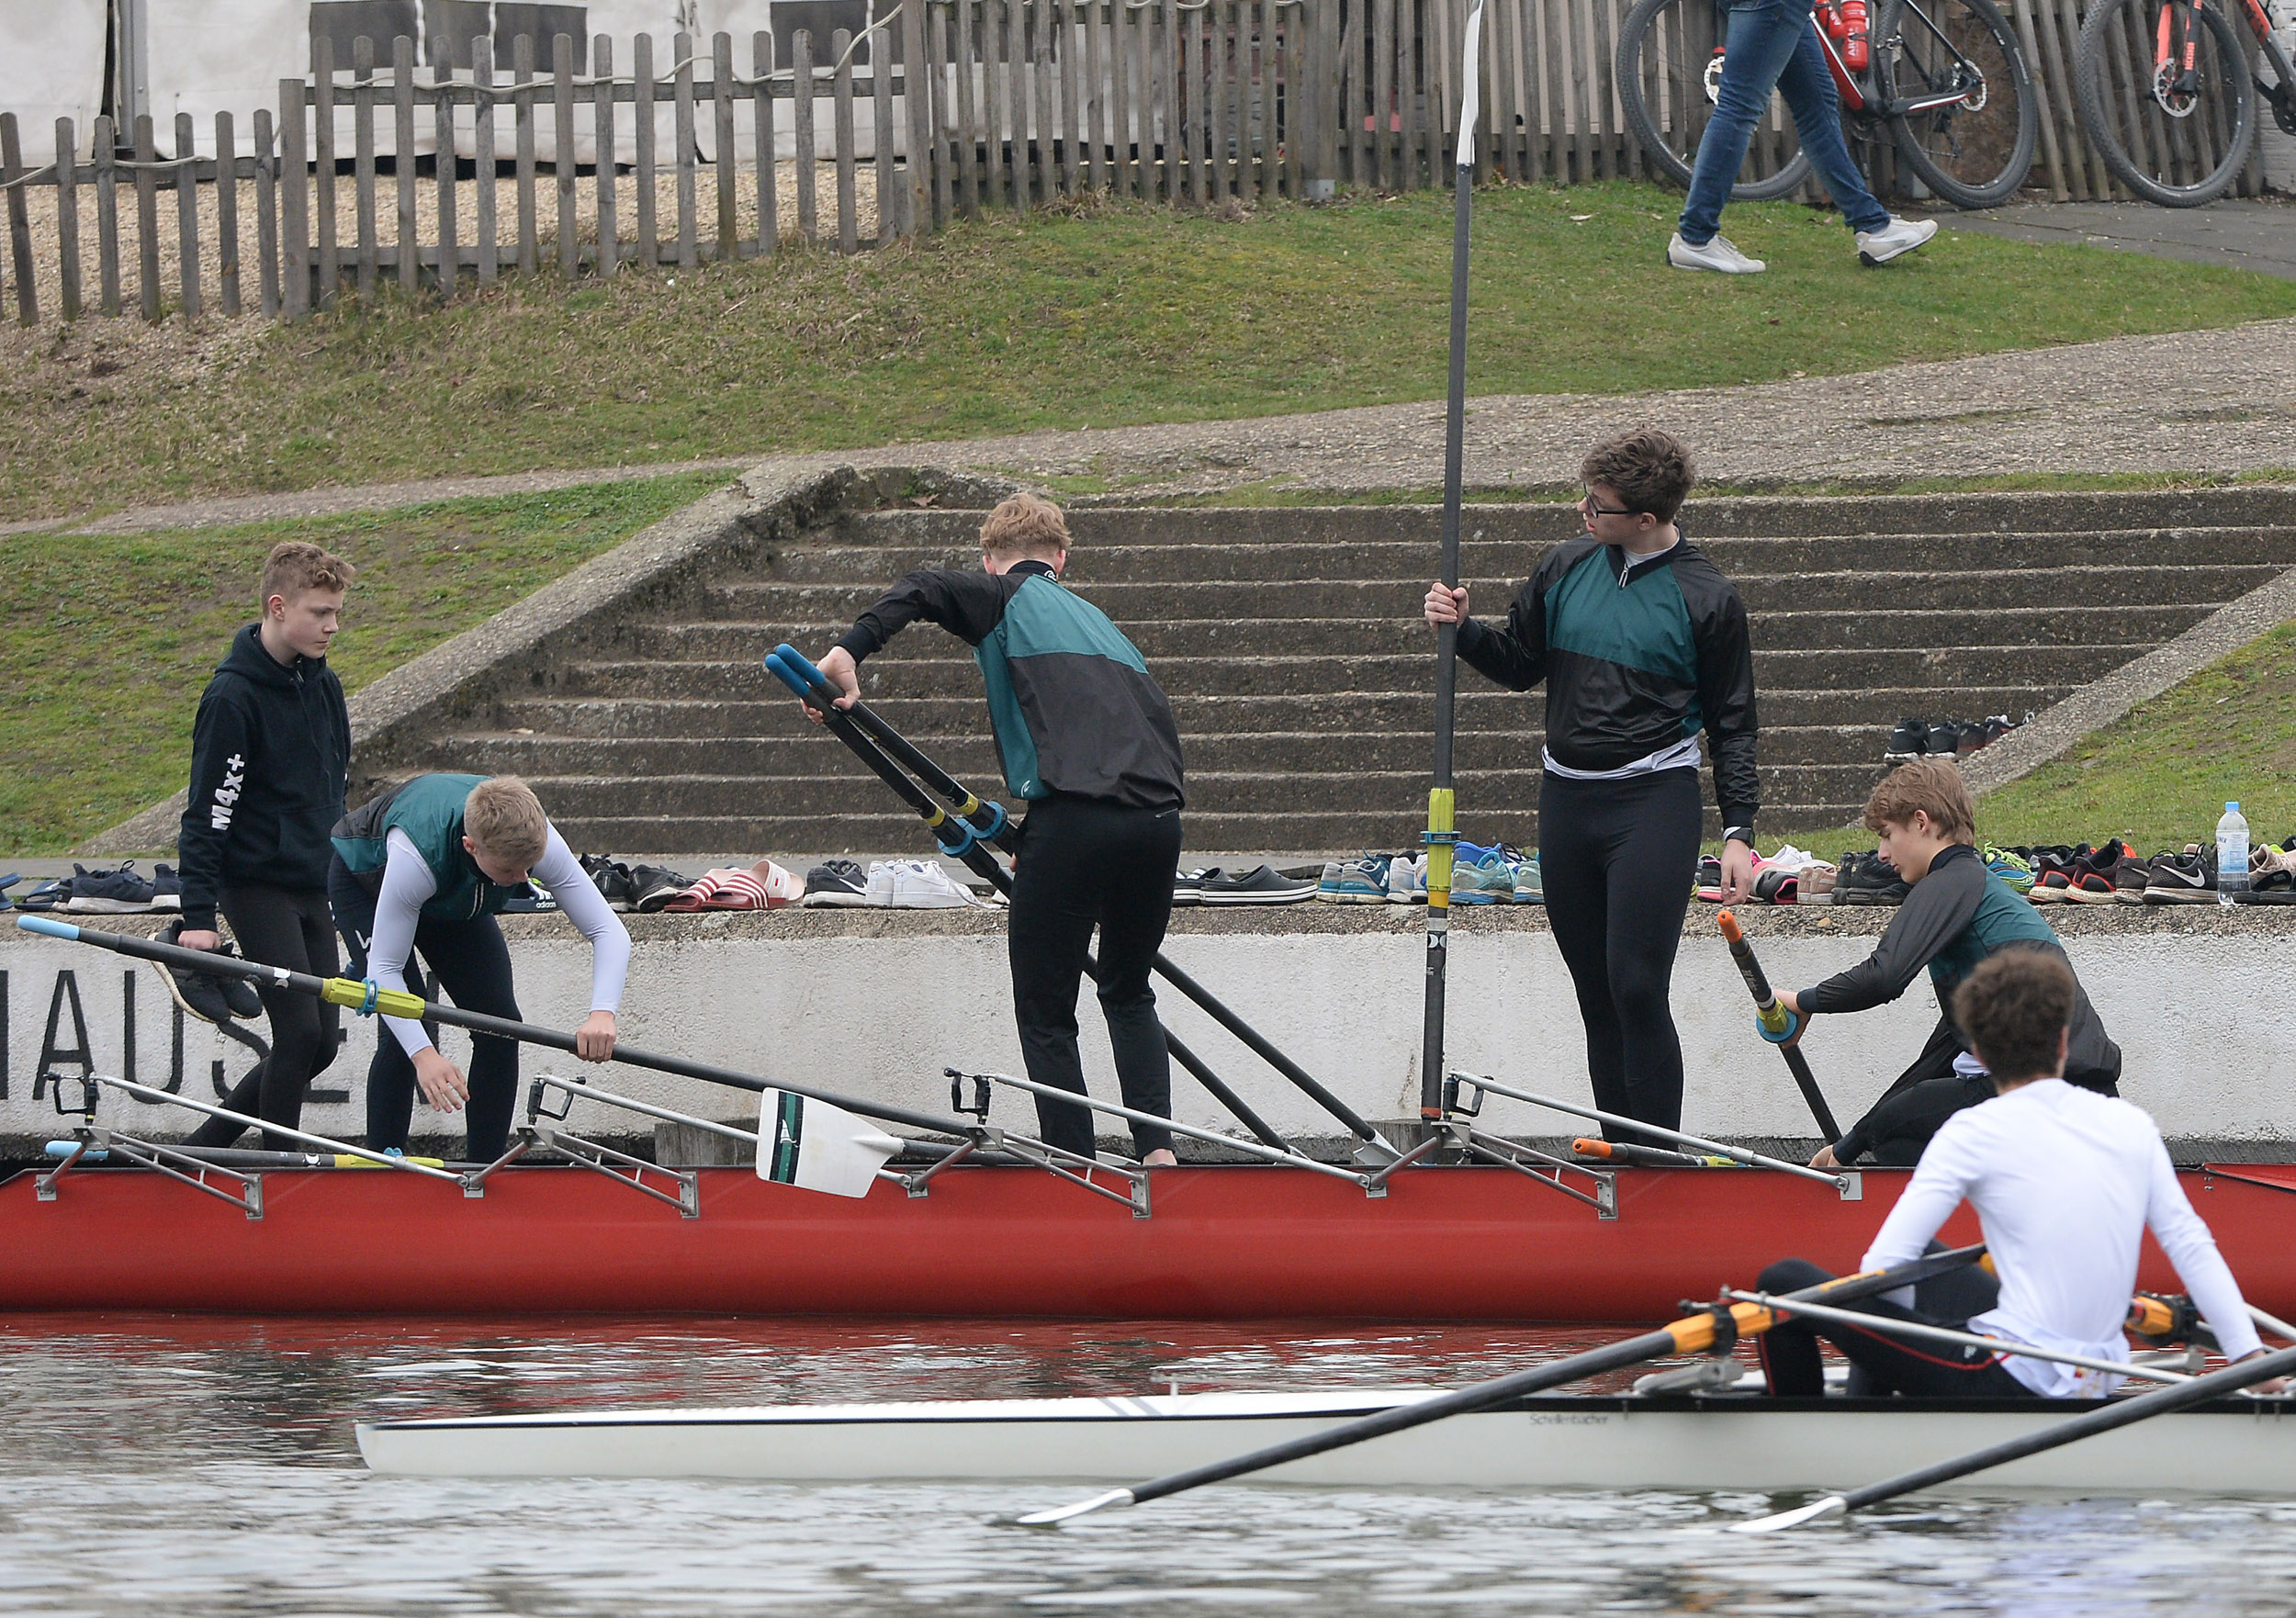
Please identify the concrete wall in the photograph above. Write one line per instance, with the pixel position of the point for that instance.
(876, 1004)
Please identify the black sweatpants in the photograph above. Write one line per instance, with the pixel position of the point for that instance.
(1618, 859)
(469, 962)
(1880, 1364)
(288, 928)
(1084, 863)
(1898, 1126)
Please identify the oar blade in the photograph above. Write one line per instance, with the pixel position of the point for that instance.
(1832, 1505)
(1054, 1516)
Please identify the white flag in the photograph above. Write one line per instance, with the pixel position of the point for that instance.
(818, 1147)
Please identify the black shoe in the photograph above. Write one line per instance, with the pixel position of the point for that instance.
(7, 883)
(611, 879)
(1263, 884)
(1909, 740)
(1945, 738)
(1187, 886)
(109, 892)
(1868, 878)
(654, 886)
(529, 900)
(204, 994)
(836, 884)
(2188, 878)
(167, 888)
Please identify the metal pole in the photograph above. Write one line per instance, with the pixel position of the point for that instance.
(1441, 826)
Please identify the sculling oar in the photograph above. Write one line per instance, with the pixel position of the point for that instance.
(365, 998)
(957, 839)
(1778, 1020)
(989, 822)
(229, 1157)
(1713, 1330)
(2182, 1396)
(1442, 834)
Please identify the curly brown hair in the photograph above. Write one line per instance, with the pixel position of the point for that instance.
(1651, 470)
(2014, 1009)
(295, 565)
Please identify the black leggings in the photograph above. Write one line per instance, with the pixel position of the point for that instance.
(469, 960)
(289, 928)
(1617, 860)
(1879, 1363)
(1085, 863)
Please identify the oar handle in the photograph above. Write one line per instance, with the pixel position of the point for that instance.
(1776, 1018)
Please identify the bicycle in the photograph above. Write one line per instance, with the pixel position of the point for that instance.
(2167, 98)
(1945, 79)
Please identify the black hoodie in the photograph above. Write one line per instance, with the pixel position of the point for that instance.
(270, 763)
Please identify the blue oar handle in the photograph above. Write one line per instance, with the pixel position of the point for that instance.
(951, 835)
(48, 925)
(783, 672)
(799, 662)
(986, 816)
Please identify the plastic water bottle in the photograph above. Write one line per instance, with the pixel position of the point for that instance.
(2231, 855)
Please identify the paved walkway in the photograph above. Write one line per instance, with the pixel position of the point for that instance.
(2250, 234)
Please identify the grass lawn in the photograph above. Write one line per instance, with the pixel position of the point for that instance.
(1104, 315)
(2162, 776)
(112, 637)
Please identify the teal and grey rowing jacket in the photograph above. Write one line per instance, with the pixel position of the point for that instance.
(429, 809)
(1638, 656)
(1070, 700)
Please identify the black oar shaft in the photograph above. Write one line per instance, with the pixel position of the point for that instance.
(2176, 1396)
(479, 1023)
(1766, 1006)
(1692, 1334)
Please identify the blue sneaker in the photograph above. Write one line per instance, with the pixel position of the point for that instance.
(1327, 888)
(1361, 881)
(1528, 888)
(1489, 879)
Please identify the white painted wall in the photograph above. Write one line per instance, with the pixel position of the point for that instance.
(880, 1018)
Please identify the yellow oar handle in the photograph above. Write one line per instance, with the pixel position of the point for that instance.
(1695, 1334)
(366, 998)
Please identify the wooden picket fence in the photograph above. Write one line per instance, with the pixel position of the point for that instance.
(1019, 102)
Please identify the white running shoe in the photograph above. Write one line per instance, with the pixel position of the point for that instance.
(922, 884)
(1719, 254)
(1894, 240)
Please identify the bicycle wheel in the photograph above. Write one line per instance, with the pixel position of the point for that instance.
(2175, 138)
(1964, 111)
(1669, 65)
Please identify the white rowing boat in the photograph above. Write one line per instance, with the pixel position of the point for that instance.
(2234, 1446)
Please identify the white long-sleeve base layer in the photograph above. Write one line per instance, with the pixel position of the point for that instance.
(408, 883)
(2065, 1181)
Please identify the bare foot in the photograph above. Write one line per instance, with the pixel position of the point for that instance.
(1162, 1158)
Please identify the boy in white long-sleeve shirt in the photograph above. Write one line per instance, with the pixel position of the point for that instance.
(2065, 1183)
(427, 867)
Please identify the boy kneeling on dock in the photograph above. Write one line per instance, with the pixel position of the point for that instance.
(428, 866)
(1956, 915)
(2065, 1183)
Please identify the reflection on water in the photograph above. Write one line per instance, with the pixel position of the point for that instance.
(197, 1466)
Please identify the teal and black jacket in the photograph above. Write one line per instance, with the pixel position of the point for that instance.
(1958, 914)
(429, 809)
(1070, 700)
(1636, 655)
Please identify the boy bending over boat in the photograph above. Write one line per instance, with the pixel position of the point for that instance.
(1089, 740)
(2065, 1181)
(428, 866)
(1956, 913)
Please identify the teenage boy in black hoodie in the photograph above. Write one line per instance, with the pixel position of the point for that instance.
(270, 761)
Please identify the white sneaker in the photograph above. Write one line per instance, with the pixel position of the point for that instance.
(921, 885)
(1407, 881)
(1715, 255)
(1894, 240)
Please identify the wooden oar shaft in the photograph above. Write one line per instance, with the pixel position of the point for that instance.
(1692, 1334)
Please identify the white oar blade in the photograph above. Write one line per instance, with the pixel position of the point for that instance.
(1058, 1514)
(1794, 1518)
(818, 1147)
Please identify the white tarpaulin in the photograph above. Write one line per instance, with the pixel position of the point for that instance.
(52, 66)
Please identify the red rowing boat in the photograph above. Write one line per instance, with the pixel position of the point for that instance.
(1218, 1242)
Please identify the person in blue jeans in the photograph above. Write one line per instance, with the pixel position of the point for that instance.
(1771, 44)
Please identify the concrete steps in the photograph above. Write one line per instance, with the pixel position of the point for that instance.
(1290, 643)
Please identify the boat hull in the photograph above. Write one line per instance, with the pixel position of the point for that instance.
(2239, 1446)
(1242, 1242)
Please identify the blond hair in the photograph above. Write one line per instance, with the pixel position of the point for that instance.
(504, 819)
(1927, 786)
(295, 565)
(1025, 525)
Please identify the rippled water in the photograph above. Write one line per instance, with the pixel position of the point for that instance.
(184, 1465)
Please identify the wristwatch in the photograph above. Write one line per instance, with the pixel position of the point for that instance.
(1739, 833)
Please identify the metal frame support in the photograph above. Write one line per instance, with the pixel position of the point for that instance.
(916, 1184)
(151, 1154)
(474, 1181)
(1049, 1158)
(603, 1159)
(1505, 1154)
